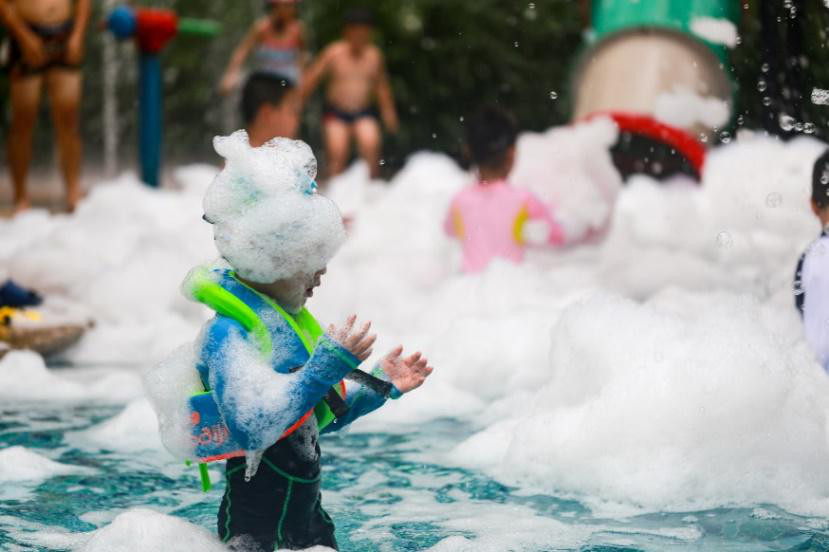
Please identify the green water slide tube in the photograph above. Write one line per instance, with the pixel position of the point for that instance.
(612, 16)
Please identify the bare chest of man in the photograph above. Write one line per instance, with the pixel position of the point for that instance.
(350, 68)
(43, 12)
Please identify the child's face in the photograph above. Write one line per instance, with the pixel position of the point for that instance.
(358, 35)
(292, 293)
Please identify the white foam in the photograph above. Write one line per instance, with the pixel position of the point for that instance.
(571, 170)
(133, 429)
(24, 376)
(145, 530)
(21, 464)
(268, 220)
(684, 108)
(716, 30)
(709, 269)
(170, 384)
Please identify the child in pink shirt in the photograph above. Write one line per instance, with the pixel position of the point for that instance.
(493, 219)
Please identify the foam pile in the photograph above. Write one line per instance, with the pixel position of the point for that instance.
(21, 464)
(663, 368)
(144, 530)
(268, 220)
(24, 376)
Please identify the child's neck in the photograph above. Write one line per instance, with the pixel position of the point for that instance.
(489, 176)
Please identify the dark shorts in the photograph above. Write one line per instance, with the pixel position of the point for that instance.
(54, 39)
(348, 117)
(280, 507)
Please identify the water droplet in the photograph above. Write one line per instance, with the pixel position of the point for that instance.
(725, 137)
(766, 101)
(434, 136)
(724, 240)
(531, 6)
(461, 119)
(761, 85)
(382, 162)
(515, 44)
(824, 179)
(764, 68)
(553, 95)
(809, 128)
(786, 122)
(774, 200)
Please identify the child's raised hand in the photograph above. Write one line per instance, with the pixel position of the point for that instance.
(357, 341)
(407, 373)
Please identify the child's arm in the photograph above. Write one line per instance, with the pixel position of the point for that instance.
(315, 73)
(232, 74)
(816, 312)
(385, 98)
(304, 55)
(405, 374)
(258, 403)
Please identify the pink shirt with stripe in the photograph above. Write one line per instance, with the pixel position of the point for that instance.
(489, 219)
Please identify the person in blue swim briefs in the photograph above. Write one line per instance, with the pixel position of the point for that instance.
(272, 379)
(812, 273)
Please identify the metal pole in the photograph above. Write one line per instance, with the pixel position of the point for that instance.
(109, 60)
(150, 119)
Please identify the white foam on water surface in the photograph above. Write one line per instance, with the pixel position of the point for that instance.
(25, 377)
(145, 530)
(660, 368)
(134, 429)
(19, 464)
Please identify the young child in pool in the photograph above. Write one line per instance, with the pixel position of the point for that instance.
(357, 78)
(273, 379)
(493, 219)
(812, 273)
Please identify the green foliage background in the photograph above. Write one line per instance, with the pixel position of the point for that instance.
(445, 57)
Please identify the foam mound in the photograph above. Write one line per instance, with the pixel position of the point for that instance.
(144, 530)
(24, 376)
(268, 221)
(133, 429)
(21, 464)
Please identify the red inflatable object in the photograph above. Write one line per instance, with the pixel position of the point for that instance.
(154, 29)
(683, 142)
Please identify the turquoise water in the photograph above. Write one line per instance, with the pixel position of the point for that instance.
(386, 492)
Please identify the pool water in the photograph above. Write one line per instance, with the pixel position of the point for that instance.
(385, 491)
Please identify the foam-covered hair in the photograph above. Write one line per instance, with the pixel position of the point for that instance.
(268, 220)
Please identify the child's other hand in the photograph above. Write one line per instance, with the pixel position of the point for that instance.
(357, 341)
(408, 373)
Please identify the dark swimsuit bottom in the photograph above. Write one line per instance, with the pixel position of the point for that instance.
(349, 117)
(54, 41)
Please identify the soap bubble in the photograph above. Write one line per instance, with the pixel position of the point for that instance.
(774, 200)
(724, 240)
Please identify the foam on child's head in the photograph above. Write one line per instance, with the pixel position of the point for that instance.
(268, 220)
